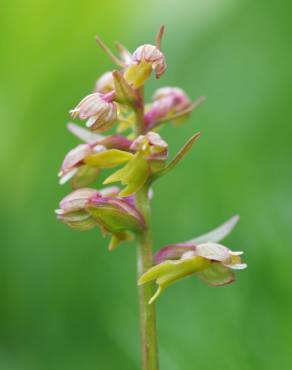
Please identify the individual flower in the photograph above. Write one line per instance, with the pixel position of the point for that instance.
(83, 163)
(104, 83)
(154, 149)
(210, 261)
(98, 109)
(151, 154)
(73, 212)
(145, 59)
(86, 208)
(74, 168)
(167, 102)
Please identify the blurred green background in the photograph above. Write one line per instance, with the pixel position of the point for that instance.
(65, 302)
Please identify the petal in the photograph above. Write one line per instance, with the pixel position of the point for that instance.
(118, 238)
(217, 234)
(173, 251)
(83, 134)
(77, 199)
(75, 156)
(67, 176)
(124, 92)
(213, 251)
(114, 219)
(183, 151)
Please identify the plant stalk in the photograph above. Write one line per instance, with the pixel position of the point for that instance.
(149, 349)
(147, 311)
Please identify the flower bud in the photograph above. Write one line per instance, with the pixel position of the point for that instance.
(104, 83)
(144, 60)
(99, 110)
(167, 101)
(115, 214)
(73, 212)
(86, 208)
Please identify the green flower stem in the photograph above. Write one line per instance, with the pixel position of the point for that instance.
(147, 312)
(149, 349)
(139, 111)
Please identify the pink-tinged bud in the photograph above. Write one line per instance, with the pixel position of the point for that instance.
(104, 83)
(86, 208)
(73, 212)
(167, 102)
(145, 59)
(116, 214)
(152, 55)
(99, 110)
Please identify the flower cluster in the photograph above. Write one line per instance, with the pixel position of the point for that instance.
(138, 155)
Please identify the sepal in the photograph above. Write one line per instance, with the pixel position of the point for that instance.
(217, 234)
(178, 157)
(115, 215)
(124, 92)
